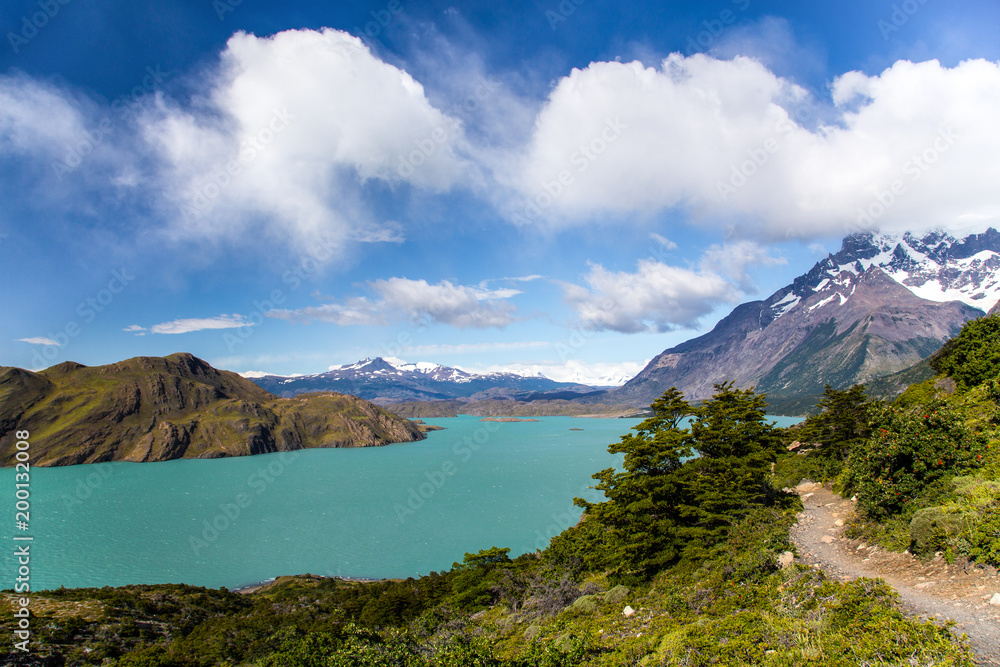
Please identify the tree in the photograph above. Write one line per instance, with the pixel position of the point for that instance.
(642, 500)
(843, 423)
(736, 447)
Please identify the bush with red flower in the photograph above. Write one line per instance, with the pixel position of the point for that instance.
(909, 456)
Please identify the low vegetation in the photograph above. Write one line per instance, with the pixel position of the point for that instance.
(679, 565)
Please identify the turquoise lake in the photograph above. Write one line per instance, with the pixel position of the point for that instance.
(395, 511)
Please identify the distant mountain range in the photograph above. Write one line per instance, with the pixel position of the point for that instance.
(877, 307)
(162, 408)
(386, 381)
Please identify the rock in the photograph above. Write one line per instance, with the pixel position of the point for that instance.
(946, 386)
(786, 559)
(628, 611)
(995, 600)
(532, 632)
(839, 523)
(827, 539)
(616, 595)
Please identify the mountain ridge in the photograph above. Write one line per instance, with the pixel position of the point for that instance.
(387, 381)
(179, 406)
(876, 307)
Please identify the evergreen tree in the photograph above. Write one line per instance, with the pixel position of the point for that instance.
(642, 503)
(736, 447)
(843, 423)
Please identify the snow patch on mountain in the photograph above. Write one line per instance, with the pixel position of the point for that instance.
(937, 267)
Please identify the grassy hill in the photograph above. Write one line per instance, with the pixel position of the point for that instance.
(156, 409)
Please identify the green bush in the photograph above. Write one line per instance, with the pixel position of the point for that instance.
(984, 536)
(973, 357)
(907, 457)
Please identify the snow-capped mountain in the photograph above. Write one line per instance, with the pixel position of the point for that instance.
(878, 306)
(936, 267)
(393, 380)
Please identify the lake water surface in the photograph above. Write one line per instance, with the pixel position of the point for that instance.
(395, 511)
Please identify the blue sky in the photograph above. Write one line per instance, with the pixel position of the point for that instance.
(566, 187)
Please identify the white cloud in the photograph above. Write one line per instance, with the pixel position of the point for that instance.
(291, 125)
(657, 297)
(38, 340)
(189, 325)
(660, 297)
(572, 370)
(469, 348)
(732, 261)
(666, 243)
(714, 137)
(459, 306)
(37, 117)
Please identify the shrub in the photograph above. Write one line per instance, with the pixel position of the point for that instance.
(908, 455)
(984, 536)
(973, 357)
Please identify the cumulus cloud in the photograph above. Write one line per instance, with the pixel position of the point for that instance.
(189, 325)
(460, 306)
(661, 297)
(733, 261)
(722, 139)
(292, 125)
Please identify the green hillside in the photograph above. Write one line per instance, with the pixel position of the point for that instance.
(156, 409)
(684, 563)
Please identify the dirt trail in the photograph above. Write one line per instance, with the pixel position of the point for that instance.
(929, 590)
